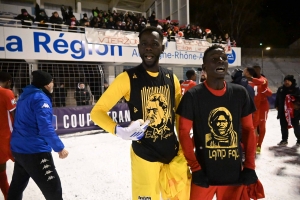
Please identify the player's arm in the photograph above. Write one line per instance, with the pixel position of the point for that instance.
(178, 96)
(10, 102)
(249, 141)
(177, 91)
(118, 89)
(187, 143)
(268, 92)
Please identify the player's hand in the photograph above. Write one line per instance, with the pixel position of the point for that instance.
(63, 154)
(135, 131)
(200, 179)
(248, 176)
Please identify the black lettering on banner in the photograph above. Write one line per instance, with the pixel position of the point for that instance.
(144, 198)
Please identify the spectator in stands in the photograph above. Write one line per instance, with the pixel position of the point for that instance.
(214, 39)
(55, 19)
(227, 40)
(136, 28)
(24, 16)
(142, 26)
(84, 21)
(82, 95)
(152, 19)
(73, 23)
(67, 14)
(60, 95)
(95, 12)
(220, 39)
(208, 35)
(94, 22)
(64, 13)
(110, 24)
(233, 43)
(41, 16)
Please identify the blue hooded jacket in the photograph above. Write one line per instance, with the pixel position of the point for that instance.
(33, 131)
(238, 78)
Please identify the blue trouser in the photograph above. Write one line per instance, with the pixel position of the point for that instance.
(40, 167)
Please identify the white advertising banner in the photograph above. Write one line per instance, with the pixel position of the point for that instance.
(20, 43)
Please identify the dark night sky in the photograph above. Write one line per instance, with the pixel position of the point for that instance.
(287, 16)
(279, 24)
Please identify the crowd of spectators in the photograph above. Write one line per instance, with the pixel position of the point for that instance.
(126, 21)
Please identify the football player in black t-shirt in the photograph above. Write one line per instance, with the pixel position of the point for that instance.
(214, 153)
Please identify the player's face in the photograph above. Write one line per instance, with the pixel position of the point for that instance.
(150, 48)
(222, 124)
(216, 64)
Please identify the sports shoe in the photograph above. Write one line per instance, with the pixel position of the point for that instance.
(258, 150)
(282, 143)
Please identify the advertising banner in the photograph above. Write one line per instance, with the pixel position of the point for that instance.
(77, 119)
(31, 44)
(129, 38)
(68, 120)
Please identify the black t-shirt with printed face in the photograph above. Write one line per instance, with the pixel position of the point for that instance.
(216, 125)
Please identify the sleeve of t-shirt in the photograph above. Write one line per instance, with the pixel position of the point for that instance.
(10, 100)
(185, 105)
(177, 91)
(118, 89)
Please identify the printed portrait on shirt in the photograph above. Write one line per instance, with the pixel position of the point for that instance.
(157, 108)
(221, 133)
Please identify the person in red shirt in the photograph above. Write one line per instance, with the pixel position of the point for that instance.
(260, 86)
(7, 107)
(190, 82)
(263, 108)
(257, 84)
(219, 109)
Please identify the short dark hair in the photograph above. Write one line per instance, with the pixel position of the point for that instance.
(151, 29)
(211, 48)
(4, 76)
(190, 73)
(256, 67)
(252, 72)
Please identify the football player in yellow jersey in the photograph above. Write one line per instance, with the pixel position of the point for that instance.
(159, 168)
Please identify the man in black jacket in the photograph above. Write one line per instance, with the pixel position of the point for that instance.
(82, 95)
(25, 16)
(288, 87)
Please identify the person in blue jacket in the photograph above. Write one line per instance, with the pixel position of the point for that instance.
(33, 139)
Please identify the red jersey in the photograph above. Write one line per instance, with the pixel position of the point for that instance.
(7, 104)
(186, 85)
(259, 85)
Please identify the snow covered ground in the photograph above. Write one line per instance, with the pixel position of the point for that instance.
(98, 167)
